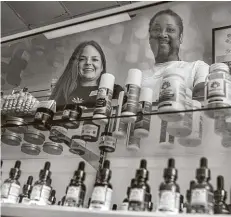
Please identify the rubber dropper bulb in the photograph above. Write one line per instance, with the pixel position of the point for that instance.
(192, 183)
(47, 165)
(143, 164)
(81, 166)
(29, 180)
(17, 164)
(106, 164)
(220, 182)
(171, 163)
(203, 162)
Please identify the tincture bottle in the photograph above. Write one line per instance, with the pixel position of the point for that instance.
(202, 191)
(11, 187)
(125, 204)
(102, 193)
(220, 196)
(148, 203)
(24, 198)
(42, 188)
(52, 198)
(169, 190)
(76, 190)
(114, 207)
(137, 197)
(181, 207)
(188, 196)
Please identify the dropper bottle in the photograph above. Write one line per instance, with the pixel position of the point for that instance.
(24, 198)
(42, 188)
(10, 189)
(220, 196)
(139, 190)
(169, 190)
(202, 191)
(125, 203)
(76, 190)
(188, 196)
(102, 192)
(52, 198)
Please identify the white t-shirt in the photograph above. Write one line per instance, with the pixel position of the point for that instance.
(194, 73)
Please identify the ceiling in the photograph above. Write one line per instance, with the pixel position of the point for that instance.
(20, 16)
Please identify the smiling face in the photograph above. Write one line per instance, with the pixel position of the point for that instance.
(165, 37)
(90, 64)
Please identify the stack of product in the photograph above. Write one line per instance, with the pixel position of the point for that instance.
(200, 198)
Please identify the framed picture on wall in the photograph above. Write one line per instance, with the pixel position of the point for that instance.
(221, 39)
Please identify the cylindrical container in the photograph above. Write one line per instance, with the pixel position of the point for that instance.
(33, 136)
(52, 148)
(132, 143)
(226, 140)
(71, 114)
(183, 128)
(195, 138)
(30, 149)
(77, 146)
(172, 95)
(142, 124)
(218, 89)
(131, 95)
(10, 138)
(104, 98)
(90, 131)
(166, 141)
(42, 118)
(15, 124)
(58, 133)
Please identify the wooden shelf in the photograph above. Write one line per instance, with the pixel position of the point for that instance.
(18, 210)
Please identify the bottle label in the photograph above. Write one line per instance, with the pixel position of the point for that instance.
(10, 191)
(108, 142)
(103, 101)
(108, 199)
(216, 87)
(124, 206)
(73, 193)
(172, 90)
(25, 201)
(169, 201)
(199, 197)
(143, 121)
(40, 192)
(99, 195)
(131, 98)
(90, 130)
(137, 195)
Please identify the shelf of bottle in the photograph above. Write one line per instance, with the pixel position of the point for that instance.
(18, 210)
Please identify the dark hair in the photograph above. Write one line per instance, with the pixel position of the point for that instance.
(69, 80)
(171, 13)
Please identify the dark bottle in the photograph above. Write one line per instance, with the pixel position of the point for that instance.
(89, 202)
(220, 196)
(169, 190)
(188, 196)
(181, 207)
(114, 207)
(125, 203)
(148, 204)
(52, 198)
(139, 190)
(102, 193)
(202, 191)
(11, 187)
(42, 188)
(24, 198)
(76, 190)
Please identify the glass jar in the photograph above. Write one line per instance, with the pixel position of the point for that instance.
(172, 95)
(218, 90)
(183, 128)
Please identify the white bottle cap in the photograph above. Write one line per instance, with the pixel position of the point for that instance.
(107, 81)
(196, 104)
(134, 77)
(146, 94)
(219, 66)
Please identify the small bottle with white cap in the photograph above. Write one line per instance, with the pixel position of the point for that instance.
(104, 98)
(142, 124)
(131, 96)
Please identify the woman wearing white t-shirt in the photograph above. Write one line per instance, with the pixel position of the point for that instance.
(165, 38)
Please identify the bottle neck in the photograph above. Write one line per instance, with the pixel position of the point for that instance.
(170, 179)
(202, 179)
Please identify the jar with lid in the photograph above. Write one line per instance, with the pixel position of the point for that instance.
(183, 128)
(218, 90)
(172, 95)
(195, 138)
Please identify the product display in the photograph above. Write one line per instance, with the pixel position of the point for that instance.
(10, 188)
(218, 89)
(24, 198)
(42, 188)
(202, 191)
(169, 200)
(131, 95)
(76, 190)
(104, 99)
(102, 192)
(172, 95)
(142, 124)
